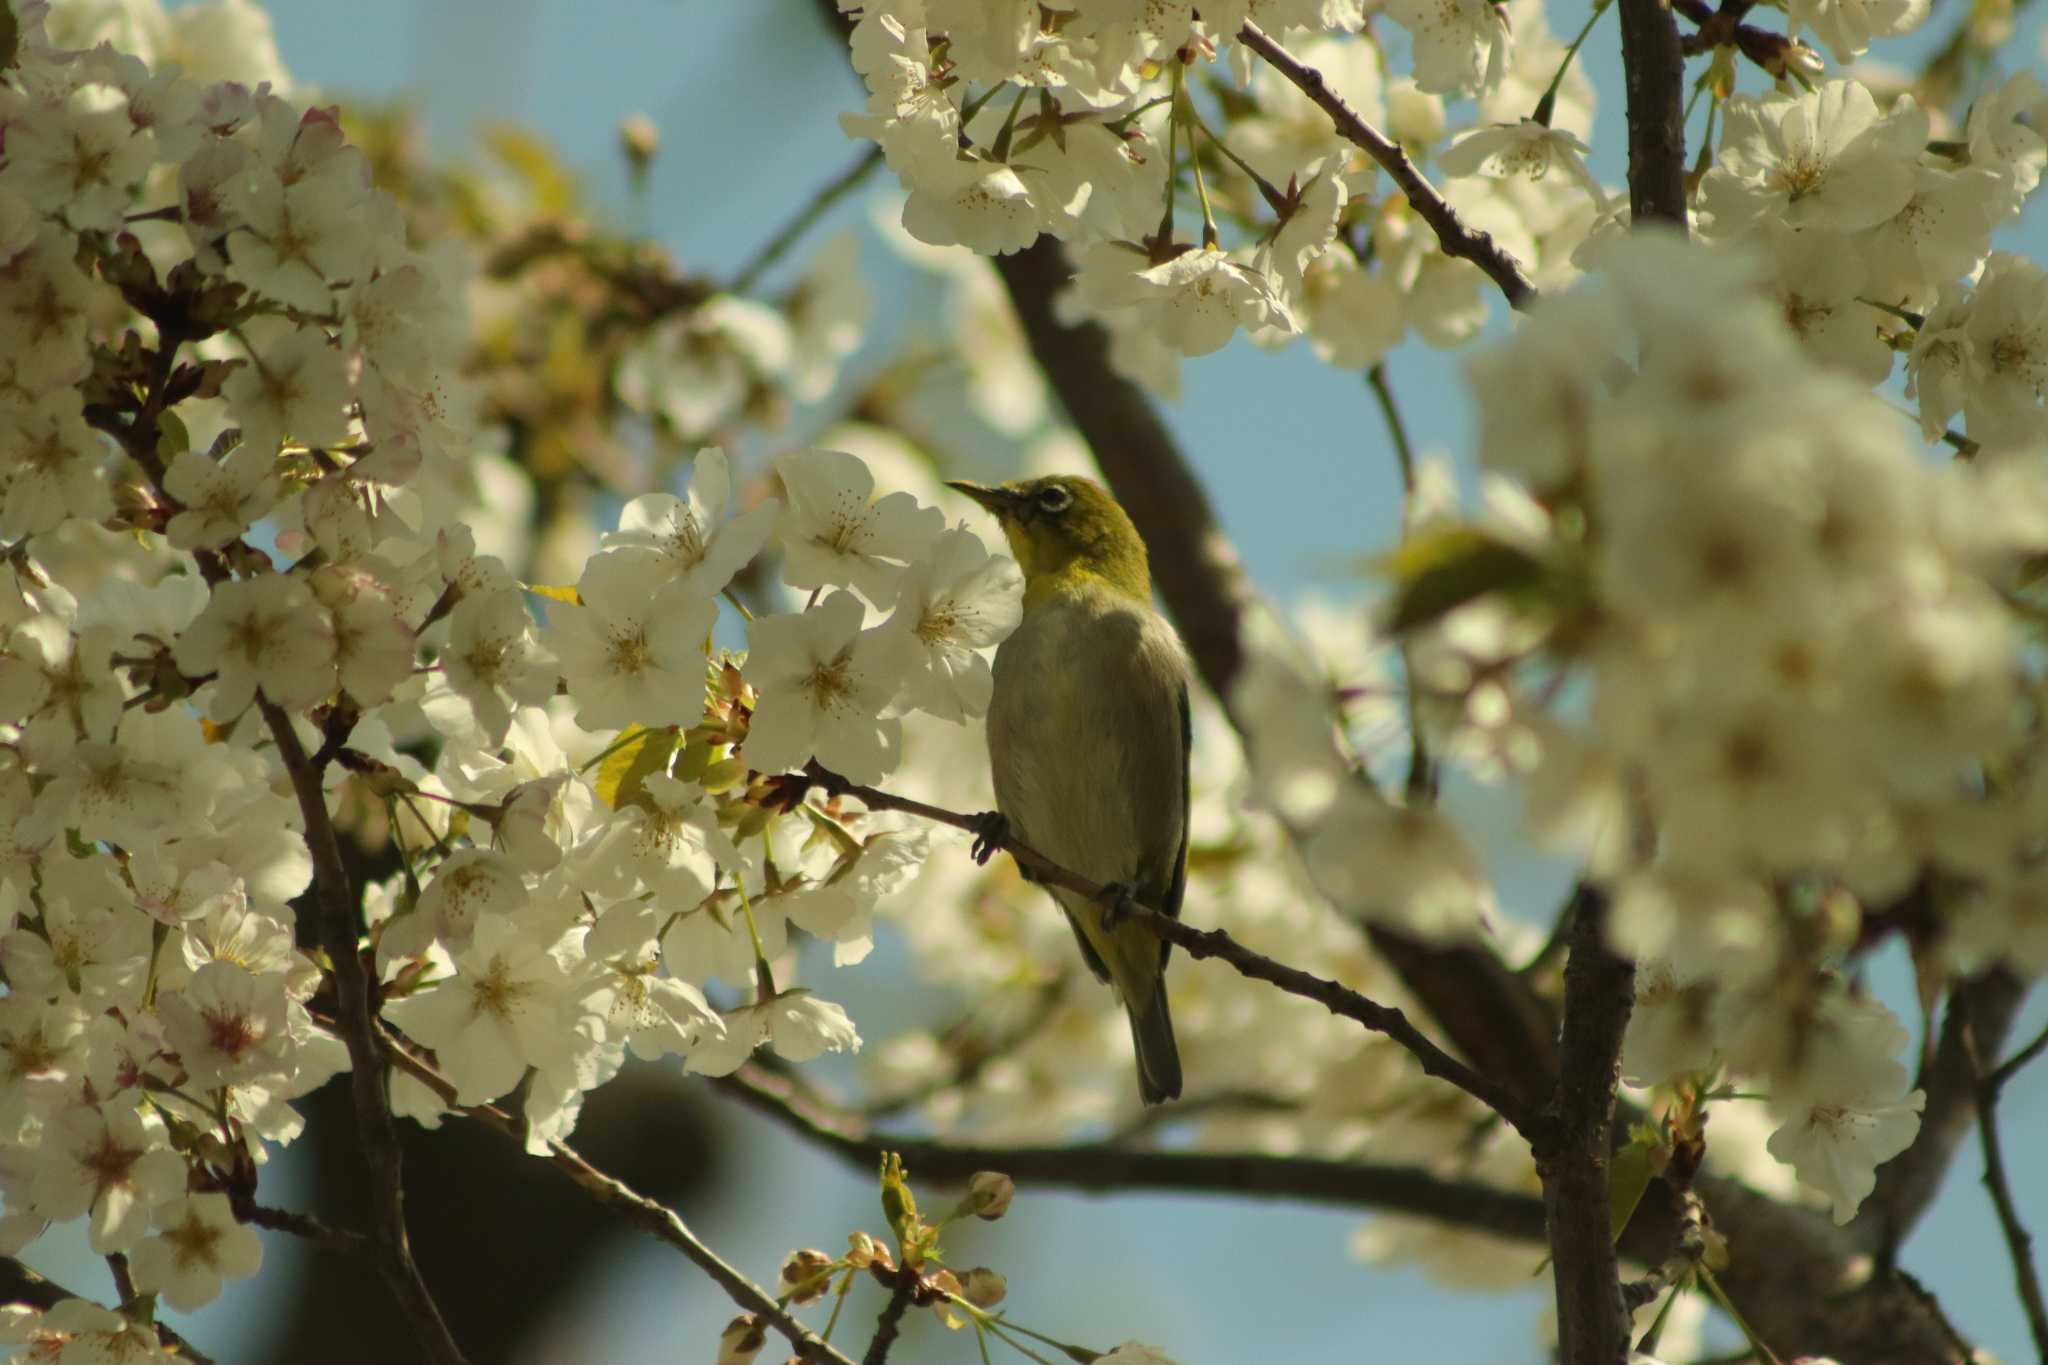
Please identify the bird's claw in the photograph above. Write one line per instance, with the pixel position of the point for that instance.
(991, 833)
(1117, 904)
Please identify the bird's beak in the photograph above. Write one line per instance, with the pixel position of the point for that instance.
(1000, 501)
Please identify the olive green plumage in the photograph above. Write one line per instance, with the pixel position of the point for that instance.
(1088, 735)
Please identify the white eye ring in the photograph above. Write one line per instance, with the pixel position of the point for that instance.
(1055, 499)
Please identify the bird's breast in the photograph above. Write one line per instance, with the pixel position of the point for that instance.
(1085, 738)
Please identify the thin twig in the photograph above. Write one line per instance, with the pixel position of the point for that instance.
(1215, 943)
(1421, 785)
(1115, 1168)
(304, 1226)
(2012, 1064)
(650, 1216)
(124, 1280)
(1452, 234)
(2019, 1243)
(368, 1073)
(792, 231)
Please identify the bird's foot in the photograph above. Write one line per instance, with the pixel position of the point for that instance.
(1117, 904)
(991, 832)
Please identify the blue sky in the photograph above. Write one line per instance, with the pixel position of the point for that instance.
(746, 94)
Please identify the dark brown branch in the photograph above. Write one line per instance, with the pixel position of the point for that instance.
(19, 1284)
(369, 1079)
(891, 1320)
(1592, 1321)
(2019, 1243)
(1979, 1016)
(649, 1215)
(1452, 234)
(326, 1236)
(1722, 28)
(1105, 1168)
(1653, 75)
(1215, 943)
(2013, 1064)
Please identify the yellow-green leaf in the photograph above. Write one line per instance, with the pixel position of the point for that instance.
(622, 780)
(558, 593)
(1441, 569)
(530, 158)
(1628, 1176)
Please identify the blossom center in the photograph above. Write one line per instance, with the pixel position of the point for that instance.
(830, 684)
(194, 1240)
(630, 653)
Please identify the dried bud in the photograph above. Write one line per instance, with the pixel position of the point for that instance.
(805, 1276)
(983, 1287)
(742, 1340)
(988, 1195)
(941, 1289)
(863, 1251)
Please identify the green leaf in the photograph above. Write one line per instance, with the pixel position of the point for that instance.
(1628, 1176)
(622, 780)
(172, 440)
(1443, 568)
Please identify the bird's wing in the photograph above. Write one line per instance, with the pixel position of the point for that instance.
(1177, 888)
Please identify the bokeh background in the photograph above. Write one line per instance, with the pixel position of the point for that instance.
(745, 94)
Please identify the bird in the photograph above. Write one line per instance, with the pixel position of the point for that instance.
(1088, 739)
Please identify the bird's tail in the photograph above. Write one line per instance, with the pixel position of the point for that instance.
(1152, 1035)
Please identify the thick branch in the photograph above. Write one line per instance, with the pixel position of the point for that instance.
(1215, 943)
(1592, 1321)
(650, 1216)
(1452, 234)
(335, 909)
(1103, 1168)
(19, 1284)
(1653, 72)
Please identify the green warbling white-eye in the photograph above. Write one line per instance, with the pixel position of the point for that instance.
(1088, 737)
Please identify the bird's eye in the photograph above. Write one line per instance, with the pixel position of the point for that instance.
(1055, 500)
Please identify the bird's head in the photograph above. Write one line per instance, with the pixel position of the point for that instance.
(1065, 530)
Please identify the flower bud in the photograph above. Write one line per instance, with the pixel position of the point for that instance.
(863, 1251)
(983, 1288)
(742, 1340)
(988, 1195)
(805, 1276)
(639, 139)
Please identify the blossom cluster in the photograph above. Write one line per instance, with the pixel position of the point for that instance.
(1095, 126)
(240, 485)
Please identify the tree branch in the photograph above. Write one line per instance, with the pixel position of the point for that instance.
(1452, 235)
(1215, 943)
(1980, 1014)
(649, 1215)
(1103, 1168)
(891, 1320)
(1653, 72)
(2019, 1244)
(336, 911)
(1592, 1320)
